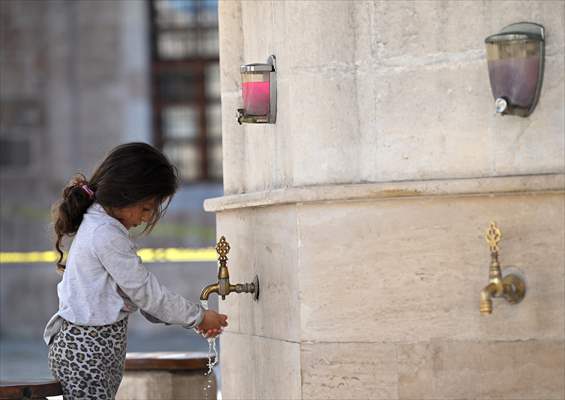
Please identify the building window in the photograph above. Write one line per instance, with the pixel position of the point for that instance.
(21, 124)
(186, 86)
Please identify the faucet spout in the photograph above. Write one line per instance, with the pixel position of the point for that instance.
(487, 294)
(208, 290)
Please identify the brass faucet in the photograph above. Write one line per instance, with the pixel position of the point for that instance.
(223, 287)
(512, 287)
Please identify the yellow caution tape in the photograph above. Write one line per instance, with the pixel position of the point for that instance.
(178, 255)
(29, 257)
(147, 255)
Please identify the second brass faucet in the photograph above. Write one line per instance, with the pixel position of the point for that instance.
(512, 287)
(223, 287)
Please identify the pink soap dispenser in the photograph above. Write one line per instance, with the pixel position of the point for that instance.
(259, 92)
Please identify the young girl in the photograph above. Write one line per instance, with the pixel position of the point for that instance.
(104, 280)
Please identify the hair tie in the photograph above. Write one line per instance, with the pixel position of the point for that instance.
(88, 191)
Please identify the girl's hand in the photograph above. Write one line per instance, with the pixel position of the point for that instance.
(212, 323)
(211, 333)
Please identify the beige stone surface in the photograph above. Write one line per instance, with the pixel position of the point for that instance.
(401, 97)
(386, 295)
(497, 370)
(233, 148)
(259, 163)
(256, 367)
(231, 32)
(372, 291)
(325, 149)
(231, 57)
(493, 186)
(420, 28)
(310, 24)
(263, 243)
(444, 134)
(412, 270)
(257, 45)
(349, 371)
(166, 385)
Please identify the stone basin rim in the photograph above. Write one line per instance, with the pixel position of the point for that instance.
(459, 187)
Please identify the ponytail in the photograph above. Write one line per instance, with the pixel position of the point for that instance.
(69, 211)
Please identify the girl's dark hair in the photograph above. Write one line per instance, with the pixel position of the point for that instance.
(131, 173)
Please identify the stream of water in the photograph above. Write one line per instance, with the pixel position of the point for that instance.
(212, 357)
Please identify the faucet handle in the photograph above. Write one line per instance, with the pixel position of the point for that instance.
(223, 248)
(493, 236)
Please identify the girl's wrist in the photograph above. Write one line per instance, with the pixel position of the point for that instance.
(200, 315)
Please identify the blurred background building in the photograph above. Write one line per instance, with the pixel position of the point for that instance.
(76, 79)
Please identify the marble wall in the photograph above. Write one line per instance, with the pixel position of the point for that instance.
(380, 299)
(363, 209)
(378, 91)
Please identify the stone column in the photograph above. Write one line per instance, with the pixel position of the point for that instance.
(363, 209)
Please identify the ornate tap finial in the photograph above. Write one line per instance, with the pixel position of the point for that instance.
(493, 236)
(223, 248)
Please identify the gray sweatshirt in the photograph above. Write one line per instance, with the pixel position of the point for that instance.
(104, 281)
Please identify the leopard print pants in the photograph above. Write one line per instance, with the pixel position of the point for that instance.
(89, 360)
